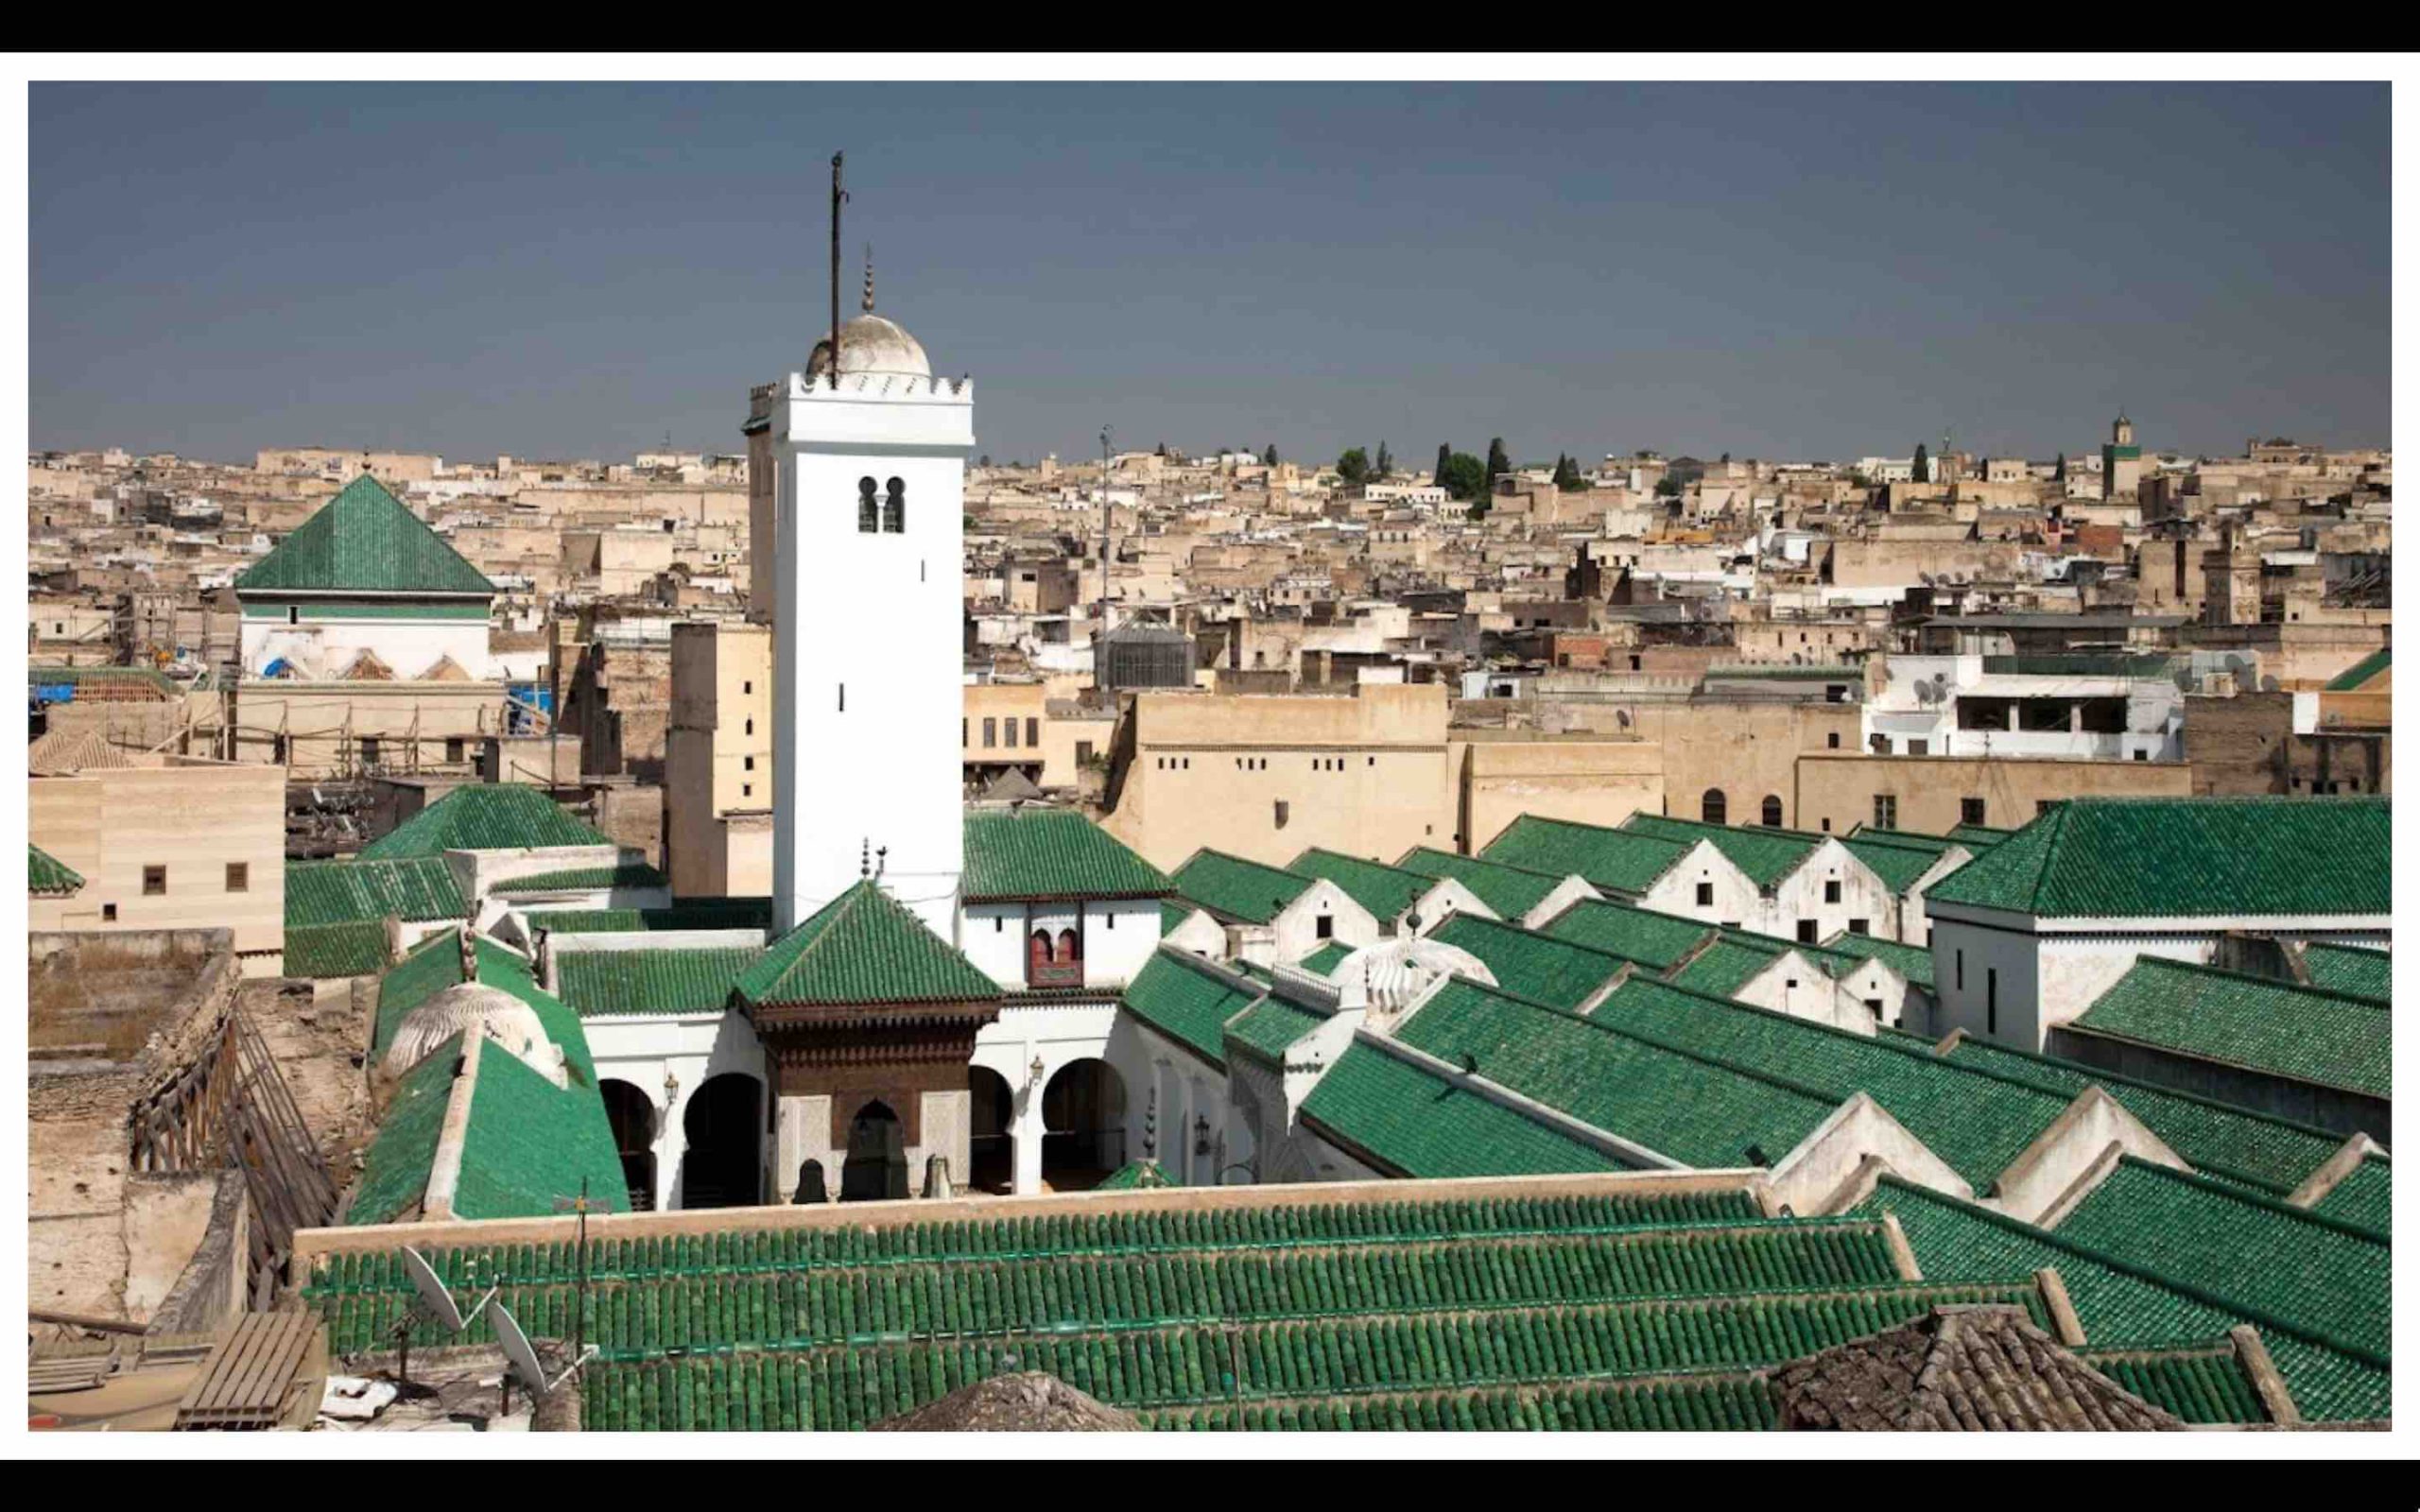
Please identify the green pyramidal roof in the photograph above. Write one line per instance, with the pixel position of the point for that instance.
(364, 541)
(863, 946)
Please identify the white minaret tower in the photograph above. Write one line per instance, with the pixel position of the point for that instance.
(870, 473)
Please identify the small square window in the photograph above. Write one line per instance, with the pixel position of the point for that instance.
(1831, 890)
(1807, 932)
(1706, 894)
(1970, 811)
(1327, 927)
(155, 882)
(239, 876)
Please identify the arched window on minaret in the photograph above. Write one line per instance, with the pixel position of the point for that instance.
(865, 506)
(895, 508)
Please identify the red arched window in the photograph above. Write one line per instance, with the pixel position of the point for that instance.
(1071, 949)
(1038, 951)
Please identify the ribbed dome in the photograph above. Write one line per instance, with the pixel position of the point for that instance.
(1397, 970)
(480, 1009)
(871, 344)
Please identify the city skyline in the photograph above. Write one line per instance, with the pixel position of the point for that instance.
(1699, 269)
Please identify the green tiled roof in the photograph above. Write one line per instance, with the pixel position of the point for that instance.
(1539, 967)
(1326, 958)
(2257, 1022)
(1137, 1176)
(1383, 890)
(45, 877)
(1726, 965)
(1914, 962)
(864, 947)
(528, 1142)
(2121, 1301)
(1270, 1027)
(2349, 969)
(1185, 1000)
(625, 875)
(1232, 887)
(354, 949)
(502, 968)
(1977, 1124)
(1173, 913)
(650, 981)
(1510, 890)
(2186, 858)
(1413, 1123)
(483, 816)
(1978, 837)
(1767, 855)
(1899, 863)
(1684, 1405)
(426, 969)
(2363, 1199)
(364, 541)
(695, 913)
(1686, 1107)
(338, 892)
(394, 1170)
(2327, 1278)
(1653, 940)
(2200, 1385)
(2362, 671)
(1031, 851)
(2218, 1138)
(1622, 861)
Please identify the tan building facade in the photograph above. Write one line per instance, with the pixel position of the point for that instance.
(719, 762)
(1931, 794)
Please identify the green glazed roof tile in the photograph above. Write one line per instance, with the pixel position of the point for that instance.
(2348, 968)
(631, 875)
(650, 981)
(1233, 888)
(321, 950)
(1270, 1027)
(864, 947)
(1653, 940)
(1767, 855)
(1508, 889)
(1913, 962)
(1621, 861)
(365, 539)
(483, 816)
(1030, 852)
(1185, 1000)
(2351, 678)
(1384, 890)
(2255, 1023)
(45, 877)
(2363, 1199)
(1411, 1121)
(1543, 968)
(335, 892)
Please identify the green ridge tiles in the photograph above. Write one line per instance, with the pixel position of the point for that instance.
(1508, 889)
(394, 1170)
(1233, 888)
(695, 913)
(1270, 1027)
(324, 951)
(2363, 1198)
(45, 877)
(603, 983)
(618, 876)
(1767, 855)
(2351, 678)
(483, 816)
(338, 892)
(1187, 1002)
(1654, 940)
(1384, 890)
(1412, 1121)
(1621, 861)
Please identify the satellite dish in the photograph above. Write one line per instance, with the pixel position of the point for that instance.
(436, 1303)
(523, 1359)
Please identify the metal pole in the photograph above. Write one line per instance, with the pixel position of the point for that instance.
(1104, 532)
(837, 195)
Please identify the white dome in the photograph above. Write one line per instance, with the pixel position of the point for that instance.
(871, 344)
(1395, 972)
(474, 1007)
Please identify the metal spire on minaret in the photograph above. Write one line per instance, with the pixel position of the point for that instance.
(868, 306)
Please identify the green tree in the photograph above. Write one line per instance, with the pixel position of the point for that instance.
(1497, 463)
(1269, 458)
(1668, 486)
(1386, 462)
(1923, 470)
(1566, 474)
(1463, 477)
(1354, 467)
(1444, 454)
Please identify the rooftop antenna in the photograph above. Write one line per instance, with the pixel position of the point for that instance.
(865, 856)
(840, 197)
(432, 1306)
(579, 1205)
(523, 1360)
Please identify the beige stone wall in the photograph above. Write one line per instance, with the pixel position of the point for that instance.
(1590, 781)
(193, 817)
(1746, 750)
(1836, 791)
(416, 723)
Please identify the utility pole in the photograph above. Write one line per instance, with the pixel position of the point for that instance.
(1104, 530)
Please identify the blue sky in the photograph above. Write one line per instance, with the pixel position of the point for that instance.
(1770, 271)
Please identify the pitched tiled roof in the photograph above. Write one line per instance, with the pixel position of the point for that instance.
(320, 951)
(1971, 1369)
(1539, 967)
(1030, 852)
(1898, 862)
(1653, 940)
(1268, 1027)
(1978, 837)
(1412, 1121)
(1510, 890)
(1686, 1107)
(650, 981)
(695, 913)
(2351, 678)
(623, 875)
(1622, 861)
(394, 1170)
(45, 877)
(2257, 1022)
(2122, 1301)
(1233, 888)
(1137, 1176)
(863, 946)
(1187, 1002)
(2363, 1199)
(1384, 890)
(529, 1143)
(364, 539)
(2186, 858)
(336, 892)
(1324, 960)
(1913, 962)
(427, 969)
(483, 816)
(1727, 965)
(1766, 854)
(2349, 969)
(2327, 1278)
